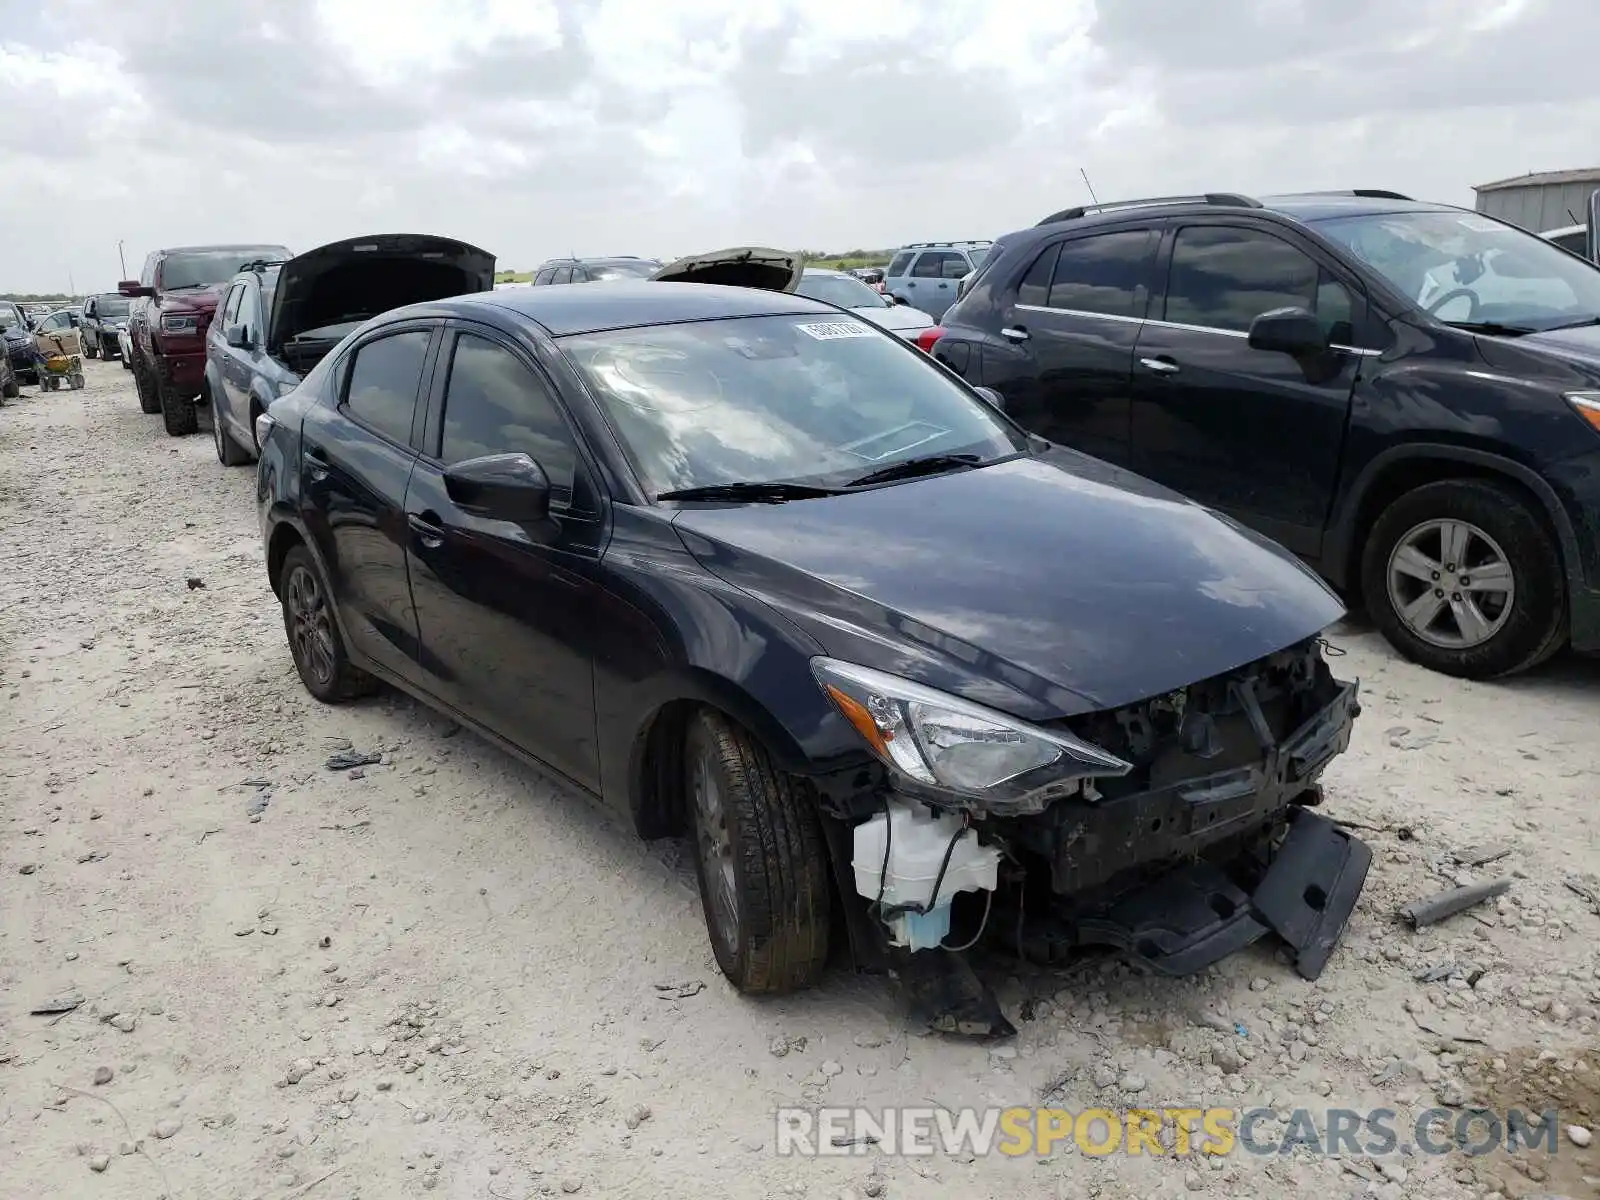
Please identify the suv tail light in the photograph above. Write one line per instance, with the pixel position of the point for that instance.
(928, 337)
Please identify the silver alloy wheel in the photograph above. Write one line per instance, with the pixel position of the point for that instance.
(716, 847)
(1451, 584)
(311, 627)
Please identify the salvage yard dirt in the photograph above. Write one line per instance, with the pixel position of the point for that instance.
(439, 973)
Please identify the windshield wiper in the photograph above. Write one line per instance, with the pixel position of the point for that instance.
(1494, 328)
(910, 468)
(1574, 324)
(753, 493)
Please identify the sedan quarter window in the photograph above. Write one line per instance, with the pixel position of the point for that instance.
(383, 383)
(495, 405)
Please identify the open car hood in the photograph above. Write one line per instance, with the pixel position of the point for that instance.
(362, 277)
(742, 266)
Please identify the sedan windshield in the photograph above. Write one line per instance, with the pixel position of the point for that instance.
(201, 268)
(843, 290)
(11, 317)
(770, 399)
(1469, 270)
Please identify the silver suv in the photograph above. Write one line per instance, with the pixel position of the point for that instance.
(925, 275)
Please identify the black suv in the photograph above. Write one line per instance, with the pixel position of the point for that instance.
(594, 270)
(1405, 394)
(103, 316)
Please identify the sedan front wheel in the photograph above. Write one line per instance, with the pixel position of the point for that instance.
(760, 858)
(314, 638)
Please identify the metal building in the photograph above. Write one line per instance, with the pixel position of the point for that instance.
(1540, 201)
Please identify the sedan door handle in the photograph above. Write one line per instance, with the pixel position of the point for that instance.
(1014, 333)
(430, 534)
(1161, 366)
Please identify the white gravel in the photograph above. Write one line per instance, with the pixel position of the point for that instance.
(440, 976)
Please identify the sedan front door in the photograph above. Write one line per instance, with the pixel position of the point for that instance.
(1257, 434)
(356, 459)
(508, 610)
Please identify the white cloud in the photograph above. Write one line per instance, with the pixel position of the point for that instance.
(536, 127)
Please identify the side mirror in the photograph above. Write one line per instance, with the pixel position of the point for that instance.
(502, 487)
(1293, 331)
(237, 336)
(133, 288)
(994, 398)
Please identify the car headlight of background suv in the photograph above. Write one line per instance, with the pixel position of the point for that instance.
(959, 754)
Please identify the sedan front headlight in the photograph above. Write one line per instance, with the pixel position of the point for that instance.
(956, 753)
(1586, 405)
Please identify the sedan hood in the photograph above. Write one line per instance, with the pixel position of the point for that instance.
(362, 277)
(900, 318)
(1044, 586)
(742, 266)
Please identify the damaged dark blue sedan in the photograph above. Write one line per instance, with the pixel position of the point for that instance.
(753, 571)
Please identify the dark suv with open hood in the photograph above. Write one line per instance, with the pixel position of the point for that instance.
(174, 299)
(278, 318)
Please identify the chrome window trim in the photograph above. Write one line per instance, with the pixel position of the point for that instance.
(1232, 333)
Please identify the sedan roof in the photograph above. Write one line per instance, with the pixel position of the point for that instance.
(586, 308)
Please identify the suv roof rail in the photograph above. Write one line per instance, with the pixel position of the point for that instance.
(932, 245)
(1222, 199)
(1367, 193)
(259, 265)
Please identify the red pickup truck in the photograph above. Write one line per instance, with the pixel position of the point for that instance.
(174, 299)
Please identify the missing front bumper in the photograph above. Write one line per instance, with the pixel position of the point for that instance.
(1196, 915)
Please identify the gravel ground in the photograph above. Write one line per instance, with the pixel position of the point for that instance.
(441, 973)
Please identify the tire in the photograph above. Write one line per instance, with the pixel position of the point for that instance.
(124, 360)
(149, 402)
(766, 852)
(178, 412)
(229, 452)
(1521, 626)
(10, 390)
(91, 349)
(315, 642)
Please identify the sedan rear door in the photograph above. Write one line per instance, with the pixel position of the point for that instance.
(357, 455)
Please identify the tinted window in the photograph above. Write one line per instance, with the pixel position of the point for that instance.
(111, 306)
(249, 313)
(562, 275)
(495, 405)
(544, 276)
(939, 264)
(382, 392)
(897, 265)
(1035, 286)
(579, 275)
(230, 309)
(11, 315)
(1224, 278)
(605, 272)
(1104, 274)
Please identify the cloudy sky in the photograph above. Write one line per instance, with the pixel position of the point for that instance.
(659, 127)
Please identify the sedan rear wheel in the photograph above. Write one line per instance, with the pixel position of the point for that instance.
(314, 638)
(760, 858)
(1462, 576)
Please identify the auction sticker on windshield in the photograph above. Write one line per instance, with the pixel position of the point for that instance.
(827, 331)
